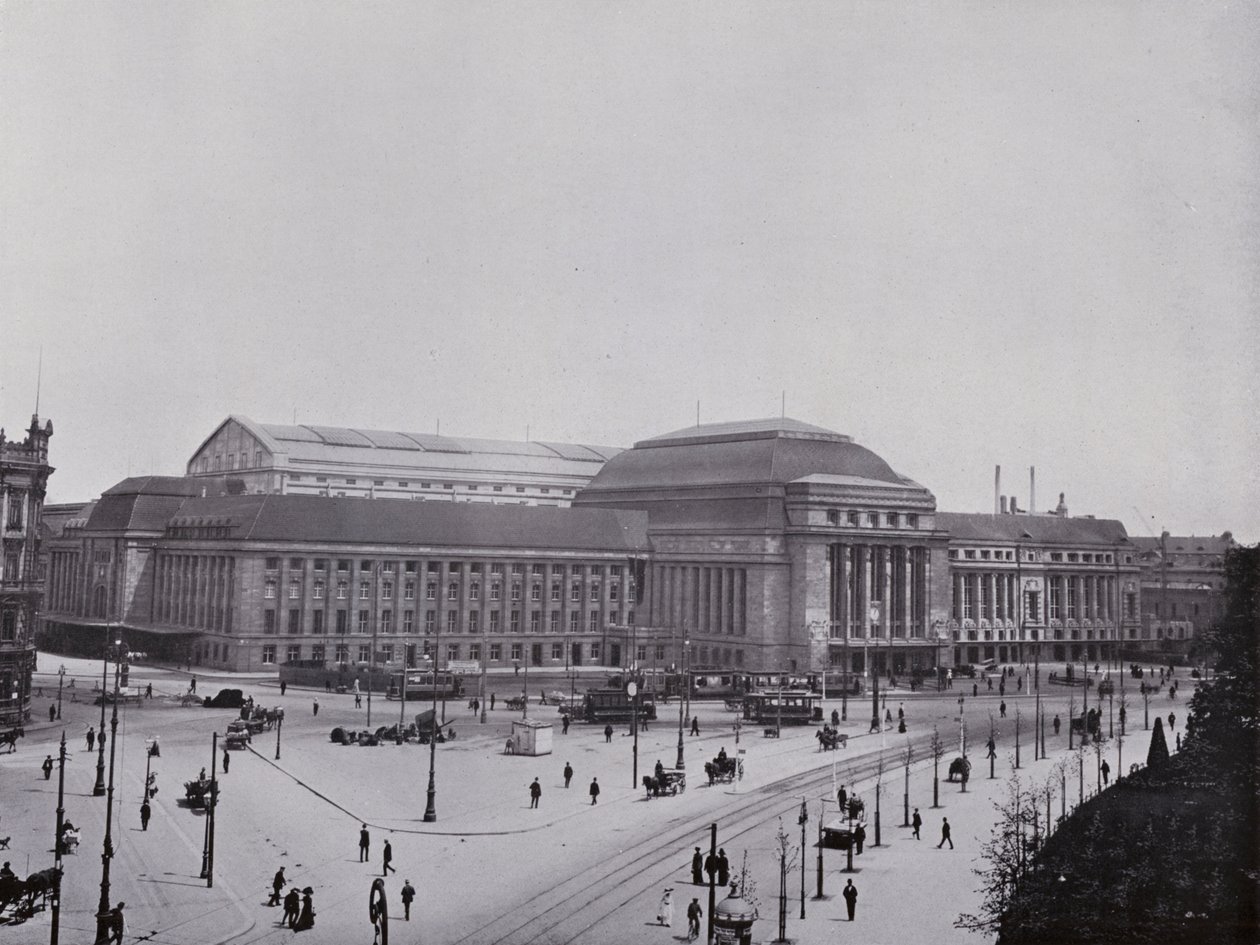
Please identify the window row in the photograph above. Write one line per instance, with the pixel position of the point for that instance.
(454, 568)
(452, 624)
(446, 486)
(856, 519)
(577, 591)
(342, 652)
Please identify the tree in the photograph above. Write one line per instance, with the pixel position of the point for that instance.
(907, 757)
(1003, 857)
(1158, 752)
(787, 859)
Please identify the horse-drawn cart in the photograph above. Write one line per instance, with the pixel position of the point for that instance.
(237, 735)
(722, 769)
(21, 899)
(197, 793)
(665, 781)
(829, 739)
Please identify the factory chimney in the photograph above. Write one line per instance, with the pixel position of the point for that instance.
(997, 489)
(1032, 490)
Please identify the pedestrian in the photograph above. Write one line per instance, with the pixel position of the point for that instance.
(192, 684)
(901, 710)
(227, 760)
(608, 730)
(52, 713)
(358, 701)
(387, 856)
(568, 773)
(1172, 720)
(365, 842)
(315, 707)
(697, 864)
(535, 792)
(492, 702)
(306, 920)
(283, 686)
(859, 838)
(694, 914)
(117, 924)
(292, 906)
(408, 894)
(1179, 741)
(945, 837)
(710, 866)
(47, 766)
(476, 706)
(723, 869)
(916, 822)
(842, 799)
(1106, 772)
(901, 727)
(975, 689)
(145, 813)
(594, 791)
(1002, 708)
(277, 884)
(850, 899)
(665, 911)
(1057, 723)
(564, 725)
(695, 725)
(148, 691)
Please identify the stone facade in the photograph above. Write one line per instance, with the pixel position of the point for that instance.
(24, 473)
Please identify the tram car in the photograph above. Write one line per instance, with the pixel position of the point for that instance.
(420, 685)
(782, 706)
(614, 705)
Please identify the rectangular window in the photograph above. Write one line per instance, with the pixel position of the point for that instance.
(594, 652)
(317, 652)
(292, 653)
(295, 590)
(535, 592)
(575, 592)
(495, 621)
(452, 591)
(494, 590)
(342, 653)
(518, 568)
(430, 621)
(318, 618)
(452, 621)
(555, 591)
(343, 590)
(614, 592)
(343, 622)
(365, 652)
(387, 591)
(269, 654)
(387, 621)
(474, 590)
(318, 590)
(1071, 600)
(365, 590)
(343, 564)
(496, 652)
(474, 621)
(273, 564)
(535, 621)
(365, 567)
(594, 621)
(430, 591)
(269, 589)
(553, 621)
(515, 622)
(516, 592)
(575, 621)
(557, 651)
(295, 620)
(452, 651)
(363, 621)
(269, 621)
(641, 653)
(516, 652)
(409, 590)
(474, 651)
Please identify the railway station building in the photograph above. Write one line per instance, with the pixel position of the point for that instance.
(769, 546)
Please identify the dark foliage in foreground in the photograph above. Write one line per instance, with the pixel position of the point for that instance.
(1170, 854)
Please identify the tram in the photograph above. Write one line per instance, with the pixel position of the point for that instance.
(420, 685)
(782, 706)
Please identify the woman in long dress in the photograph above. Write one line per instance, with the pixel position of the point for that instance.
(306, 920)
(665, 914)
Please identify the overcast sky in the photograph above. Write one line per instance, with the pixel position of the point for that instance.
(964, 234)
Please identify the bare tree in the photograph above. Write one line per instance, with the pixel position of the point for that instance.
(1004, 857)
(748, 885)
(937, 748)
(787, 854)
(879, 785)
(907, 758)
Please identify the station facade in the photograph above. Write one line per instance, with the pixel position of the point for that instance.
(766, 546)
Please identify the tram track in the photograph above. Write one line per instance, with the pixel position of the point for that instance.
(567, 911)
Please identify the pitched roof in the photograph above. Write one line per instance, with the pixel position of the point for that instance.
(399, 521)
(1048, 529)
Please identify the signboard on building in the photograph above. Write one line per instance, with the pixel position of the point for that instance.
(466, 667)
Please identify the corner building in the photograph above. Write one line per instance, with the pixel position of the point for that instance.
(781, 546)
(24, 473)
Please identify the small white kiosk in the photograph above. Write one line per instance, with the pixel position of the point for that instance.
(531, 737)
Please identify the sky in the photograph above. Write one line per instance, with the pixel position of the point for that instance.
(965, 234)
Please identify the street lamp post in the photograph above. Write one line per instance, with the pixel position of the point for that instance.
(57, 844)
(803, 819)
(430, 808)
(98, 789)
(875, 724)
(61, 679)
(402, 705)
(679, 763)
(279, 725)
(107, 850)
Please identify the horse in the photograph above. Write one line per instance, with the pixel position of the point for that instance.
(41, 885)
(11, 737)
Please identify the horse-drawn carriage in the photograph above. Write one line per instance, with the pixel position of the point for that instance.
(21, 899)
(829, 739)
(839, 833)
(960, 769)
(237, 735)
(10, 738)
(1091, 720)
(515, 703)
(665, 781)
(197, 793)
(723, 769)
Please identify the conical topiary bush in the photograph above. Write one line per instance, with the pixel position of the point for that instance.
(1158, 753)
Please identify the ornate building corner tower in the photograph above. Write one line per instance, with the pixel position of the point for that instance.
(24, 473)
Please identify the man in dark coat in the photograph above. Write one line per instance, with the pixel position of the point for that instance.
(277, 884)
(945, 837)
(1057, 723)
(594, 791)
(145, 813)
(292, 906)
(859, 837)
(697, 865)
(694, 915)
(850, 899)
(710, 866)
(695, 725)
(48, 767)
(1106, 772)
(568, 773)
(723, 869)
(91, 738)
(365, 841)
(227, 760)
(916, 821)
(387, 855)
(408, 894)
(535, 792)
